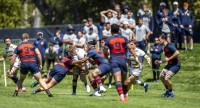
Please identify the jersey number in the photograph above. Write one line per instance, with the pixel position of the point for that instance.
(117, 46)
(26, 50)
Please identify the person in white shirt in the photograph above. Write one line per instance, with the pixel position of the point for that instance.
(119, 19)
(90, 25)
(109, 17)
(131, 21)
(125, 31)
(107, 32)
(92, 36)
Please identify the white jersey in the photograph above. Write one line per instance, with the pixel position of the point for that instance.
(140, 55)
(86, 29)
(51, 54)
(126, 33)
(107, 32)
(9, 51)
(80, 41)
(140, 32)
(91, 37)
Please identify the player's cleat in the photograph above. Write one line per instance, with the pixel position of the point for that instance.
(96, 93)
(23, 89)
(146, 87)
(170, 95)
(165, 94)
(49, 93)
(87, 87)
(34, 92)
(15, 93)
(102, 89)
(122, 99)
(35, 83)
(109, 86)
(73, 94)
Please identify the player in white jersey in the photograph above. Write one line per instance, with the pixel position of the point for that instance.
(79, 43)
(135, 70)
(125, 31)
(8, 52)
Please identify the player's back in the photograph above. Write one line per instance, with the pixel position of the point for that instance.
(66, 62)
(98, 59)
(26, 52)
(117, 45)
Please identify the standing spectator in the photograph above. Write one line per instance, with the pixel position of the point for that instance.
(101, 27)
(187, 20)
(85, 27)
(92, 36)
(90, 25)
(142, 34)
(156, 51)
(42, 45)
(176, 31)
(166, 24)
(119, 19)
(148, 22)
(51, 56)
(144, 7)
(70, 36)
(131, 21)
(109, 15)
(107, 31)
(117, 8)
(126, 32)
(125, 11)
(159, 13)
(57, 41)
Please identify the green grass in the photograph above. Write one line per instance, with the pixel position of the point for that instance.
(186, 87)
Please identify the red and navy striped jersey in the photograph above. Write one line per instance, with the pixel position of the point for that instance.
(169, 50)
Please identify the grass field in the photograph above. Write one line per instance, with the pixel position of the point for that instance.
(186, 87)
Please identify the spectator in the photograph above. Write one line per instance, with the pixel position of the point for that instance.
(119, 19)
(85, 23)
(109, 17)
(90, 25)
(144, 7)
(156, 51)
(101, 26)
(131, 21)
(125, 11)
(187, 20)
(107, 32)
(126, 32)
(42, 45)
(92, 36)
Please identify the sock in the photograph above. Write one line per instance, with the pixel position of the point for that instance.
(119, 88)
(154, 75)
(170, 90)
(47, 91)
(15, 93)
(98, 80)
(74, 89)
(166, 87)
(110, 79)
(142, 84)
(38, 90)
(125, 89)
(85, 84)
(158, 75)
(93, 84)
(15, 79)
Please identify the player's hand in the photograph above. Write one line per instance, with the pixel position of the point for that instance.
(40, 67)
(9, 74)
(158, 62)
(166, 59)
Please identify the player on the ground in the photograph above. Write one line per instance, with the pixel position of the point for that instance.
(103, 68)
(8, 52)
(118, 45)
(136, 71)
(171, 68)
(59, 71)
(27, 52)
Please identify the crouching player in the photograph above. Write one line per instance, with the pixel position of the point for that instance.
(103, 68)
(27, 52)
(59, 71)
(135, 70)
(171, 68)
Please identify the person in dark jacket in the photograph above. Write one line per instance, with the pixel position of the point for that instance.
(156, 51)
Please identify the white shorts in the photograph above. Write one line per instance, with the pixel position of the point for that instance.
(135, 71)
(16, 63)
(80, 53)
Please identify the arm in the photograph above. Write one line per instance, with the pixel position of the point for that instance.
(13, 61)
(92, 61)
(112, 11)
(39, 57)
(3, 58)
(81, 61)
(102, 13)
(148, 59)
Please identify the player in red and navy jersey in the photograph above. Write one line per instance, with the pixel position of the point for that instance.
(26, 52)
(118, 46)
(59, 71)
(94, 57)
(171, 68)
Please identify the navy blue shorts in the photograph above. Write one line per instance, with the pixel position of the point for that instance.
(173, 67)
(104, 68)
(118, 64)
(186, 32)
(58, 72)
(25, 67)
